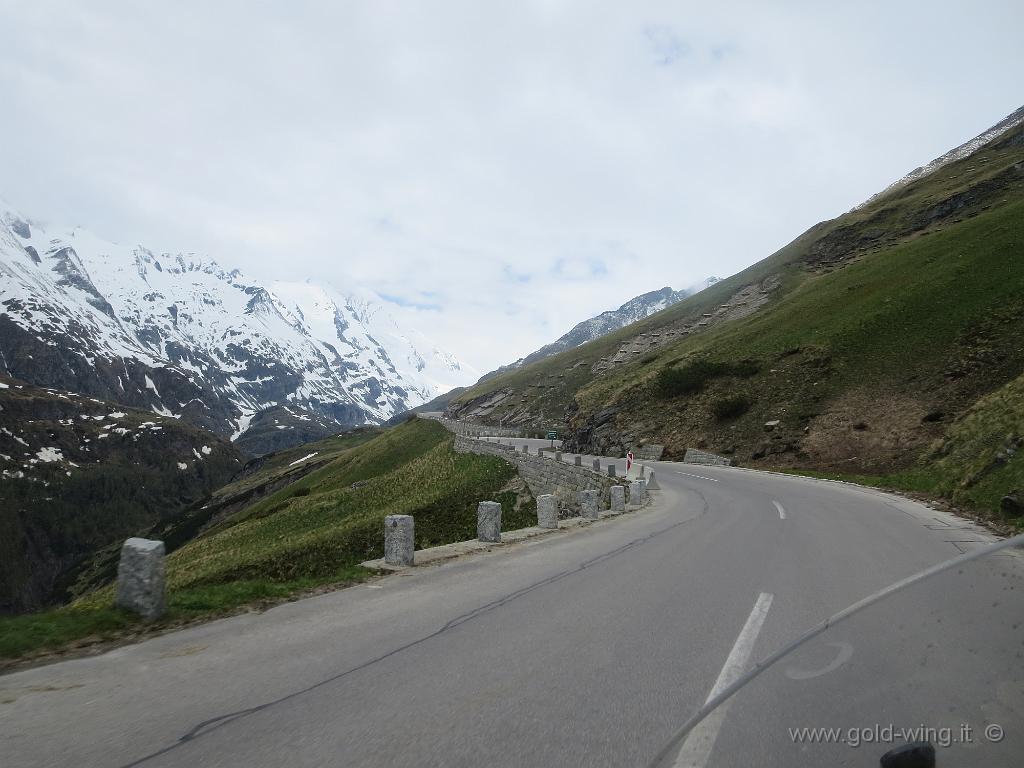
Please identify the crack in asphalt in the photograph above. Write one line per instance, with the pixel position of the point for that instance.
(208, 726)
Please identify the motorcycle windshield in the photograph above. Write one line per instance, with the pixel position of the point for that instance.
(939, 659)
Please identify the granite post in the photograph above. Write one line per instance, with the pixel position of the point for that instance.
(488, 521)
(636, 493)
(140, 578)
(547, 511)
(617, 494)
(399, 539)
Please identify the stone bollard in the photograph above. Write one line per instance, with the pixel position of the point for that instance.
(611, 470)
(636, 493)
(643, 470)
(652, 484)
(579, 461)
(399, 539)
(617, 497)
(588, 505)
(540, 450)
(558, 455)
(597, 465)
(488, 521)
(140, 578)
(526, 448)
(547, 511)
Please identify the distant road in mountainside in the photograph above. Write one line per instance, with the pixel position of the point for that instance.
(586, 647)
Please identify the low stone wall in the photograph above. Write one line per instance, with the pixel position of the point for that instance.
(545, 474)
(476, 430)
(649, 452)
(693, 456)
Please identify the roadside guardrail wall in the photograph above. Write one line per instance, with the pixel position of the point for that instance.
(545, 474)
(476, 430)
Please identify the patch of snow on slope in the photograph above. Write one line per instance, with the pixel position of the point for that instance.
(49, 455)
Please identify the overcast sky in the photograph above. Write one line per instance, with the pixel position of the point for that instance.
(498, 171)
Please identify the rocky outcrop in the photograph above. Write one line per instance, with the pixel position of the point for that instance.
(744, 302)
(1012, 504)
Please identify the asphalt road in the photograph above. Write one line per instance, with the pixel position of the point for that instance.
(588, 647)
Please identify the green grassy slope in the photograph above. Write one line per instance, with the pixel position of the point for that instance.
(896, 346)
(977, 463)
(312, 532)
(333, 518)
(891, 325)
(293, 463)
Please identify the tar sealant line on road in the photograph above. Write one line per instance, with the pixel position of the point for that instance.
(696, 750)
(781, 510)
(209, 725)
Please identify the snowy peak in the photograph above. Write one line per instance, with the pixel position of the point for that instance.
(357, 321)
(181, 336)
(637, 308)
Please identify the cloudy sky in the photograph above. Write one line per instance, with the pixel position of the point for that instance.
(496, 171)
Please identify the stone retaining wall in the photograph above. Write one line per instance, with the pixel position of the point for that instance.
(649, 452)
(545, 474)
(693, 456)
(475, 430)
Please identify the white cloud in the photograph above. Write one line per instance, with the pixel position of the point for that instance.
(502, 171)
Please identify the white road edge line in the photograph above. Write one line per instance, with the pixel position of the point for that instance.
(688, 474)
(696, 750)
(782, 512)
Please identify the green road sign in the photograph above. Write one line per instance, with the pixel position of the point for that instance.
(552, 435)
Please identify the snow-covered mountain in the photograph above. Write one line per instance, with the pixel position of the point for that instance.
(183, 337)
(635, 309)
(705, 283)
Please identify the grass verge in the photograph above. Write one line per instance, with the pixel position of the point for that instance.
(77, 627)
(310, 534)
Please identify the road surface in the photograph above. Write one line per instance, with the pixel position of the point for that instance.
(584, 648)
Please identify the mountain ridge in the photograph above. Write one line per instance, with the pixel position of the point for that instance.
(636, 308)
(182, 336)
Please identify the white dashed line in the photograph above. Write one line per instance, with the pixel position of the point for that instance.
(782, 512)
(713, 480)
(696, 750)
